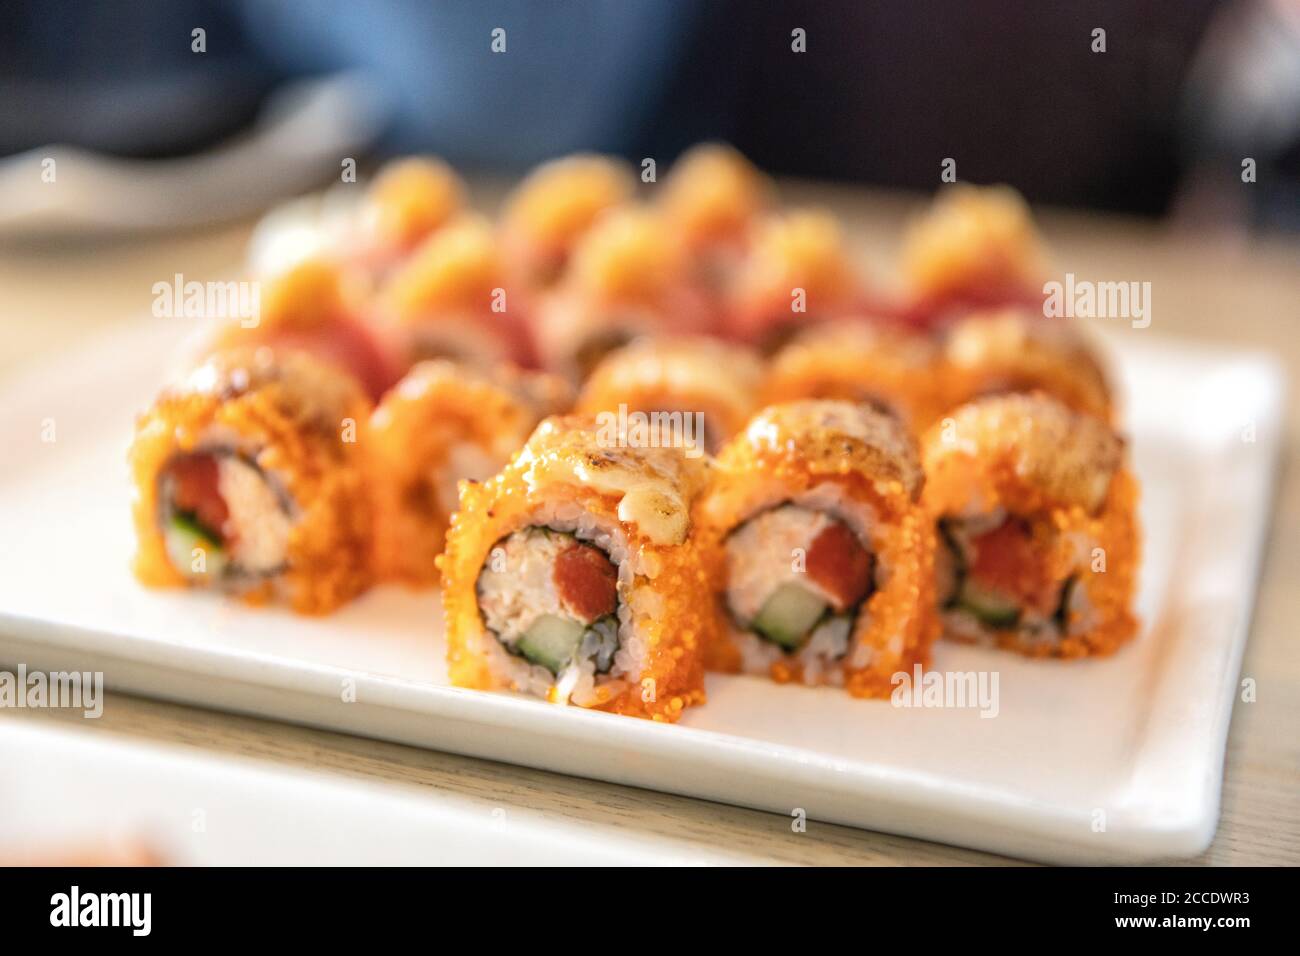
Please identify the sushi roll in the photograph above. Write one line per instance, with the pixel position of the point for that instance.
(1017, 350)
(366, 236)
(798, 271)
(249, 478)
(444, 423)
(976, 247)
(451, 299)
(312, 307)
(885, 366)
(710, 386)
(553, 207)
(574, 575)
(711, 200)
(1038, 540)
(820, 554)
(627, 278)
(409, 200)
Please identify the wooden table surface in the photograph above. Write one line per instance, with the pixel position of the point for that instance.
(1229, 289)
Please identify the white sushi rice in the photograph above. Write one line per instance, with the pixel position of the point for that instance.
(518, 584)
(638, 605)
(772, 565)
(261, 511)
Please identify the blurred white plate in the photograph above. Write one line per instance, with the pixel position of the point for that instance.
(1110, 760)
(299, 140)
(78, 791)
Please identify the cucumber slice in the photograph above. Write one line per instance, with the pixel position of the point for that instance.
(182, 535)
(552, 642)
(991, 608)
(788, 616)
(185, 521)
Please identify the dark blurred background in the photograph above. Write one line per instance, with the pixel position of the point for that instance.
(1012, 89)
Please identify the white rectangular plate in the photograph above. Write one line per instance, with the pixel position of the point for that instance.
(76, 791)
(1093, 761)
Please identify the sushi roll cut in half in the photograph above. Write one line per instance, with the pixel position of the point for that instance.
(450, 299)
(798, 271)
(711, 200)
(975, 247)
(408, 201)
(703, 388)
(1038, 538)
(249, 478)
(627, 278)
(547, 213)
(446, 422)
(887, 367)
(313, 307)
(1017, 350)
(366, 236)
(574, 575)
(821, 556)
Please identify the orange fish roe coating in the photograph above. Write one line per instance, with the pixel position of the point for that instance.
(860, 361)
(554, 206)
(1062, 473)
(297, 419)
(1048, 453)
(712, 196)
(438, 408)
(683, 374)
(302, 297)
(627, 278)
(802, 249)
(455, 270)
(451, 299)
(1016, 350)
(868, 459)
(975, 244)
(627, 257)
(408, 200)
(647, 494)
